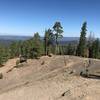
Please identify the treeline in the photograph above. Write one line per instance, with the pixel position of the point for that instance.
(50, 44)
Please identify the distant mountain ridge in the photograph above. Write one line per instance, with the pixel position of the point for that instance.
(7, 39)
(11, 37)
(70, 39)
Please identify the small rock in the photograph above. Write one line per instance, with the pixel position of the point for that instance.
(50, 55)
(71, 72)
(43, 62)
(66, 93)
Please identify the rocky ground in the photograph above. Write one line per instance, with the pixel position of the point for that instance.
(50, 78)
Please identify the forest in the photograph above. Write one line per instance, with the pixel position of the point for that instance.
(36, 47)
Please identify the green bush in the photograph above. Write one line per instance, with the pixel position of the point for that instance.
(17, 62)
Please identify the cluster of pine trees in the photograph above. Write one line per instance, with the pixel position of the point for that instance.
(50, 44)
(88, 47)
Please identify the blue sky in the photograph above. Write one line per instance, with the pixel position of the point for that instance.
(24, 17)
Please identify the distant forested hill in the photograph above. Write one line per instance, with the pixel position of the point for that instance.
(6, 40)
(2, 37)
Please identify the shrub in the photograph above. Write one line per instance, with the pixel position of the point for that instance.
(17, 62)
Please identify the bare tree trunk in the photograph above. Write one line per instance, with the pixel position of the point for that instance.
(64, 57)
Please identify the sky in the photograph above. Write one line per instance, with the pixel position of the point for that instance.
(25, 17)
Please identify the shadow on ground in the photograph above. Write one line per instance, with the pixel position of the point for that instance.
(92, 76)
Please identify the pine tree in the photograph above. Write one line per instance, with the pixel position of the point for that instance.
(81, 48)
(58, 29)
(48, 41)
(15, 49)
(4, 55)
(90, 41)
(95, 49)
(37, 49)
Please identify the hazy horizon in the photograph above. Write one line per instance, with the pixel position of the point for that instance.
(33, 35)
